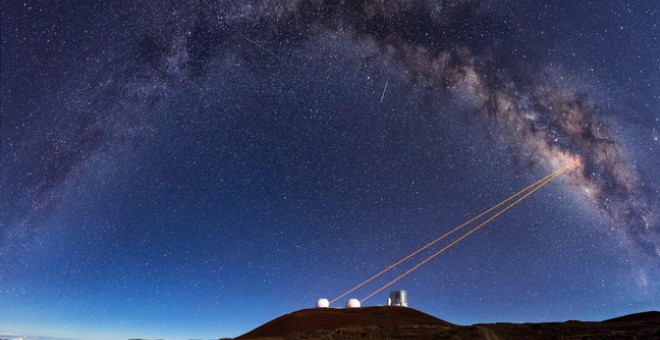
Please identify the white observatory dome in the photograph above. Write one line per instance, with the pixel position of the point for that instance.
(353, 303)
(322, 303)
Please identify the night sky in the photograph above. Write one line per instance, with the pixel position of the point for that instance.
(194, 169)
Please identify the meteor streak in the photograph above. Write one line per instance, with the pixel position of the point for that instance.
(261, 47)
(384, 89)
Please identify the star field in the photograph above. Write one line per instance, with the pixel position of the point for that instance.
(189, 170)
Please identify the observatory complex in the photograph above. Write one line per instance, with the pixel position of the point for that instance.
(397, 298)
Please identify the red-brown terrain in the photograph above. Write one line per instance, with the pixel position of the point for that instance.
(408, 323)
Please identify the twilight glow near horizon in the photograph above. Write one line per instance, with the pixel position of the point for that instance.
(193, 169)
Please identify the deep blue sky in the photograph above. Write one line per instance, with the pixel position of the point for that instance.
(184, 170)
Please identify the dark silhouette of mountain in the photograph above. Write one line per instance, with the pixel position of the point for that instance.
(408, 323)
(637, 317)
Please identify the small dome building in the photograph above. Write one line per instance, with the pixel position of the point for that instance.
(322, 303)
(353, 303)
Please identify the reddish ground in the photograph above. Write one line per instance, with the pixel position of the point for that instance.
(315, 319)
(408, 323)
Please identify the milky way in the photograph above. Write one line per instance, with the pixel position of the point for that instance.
(457, 48)
(173, 152)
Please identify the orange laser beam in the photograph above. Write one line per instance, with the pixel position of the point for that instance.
(454, 230)
(546, 181)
